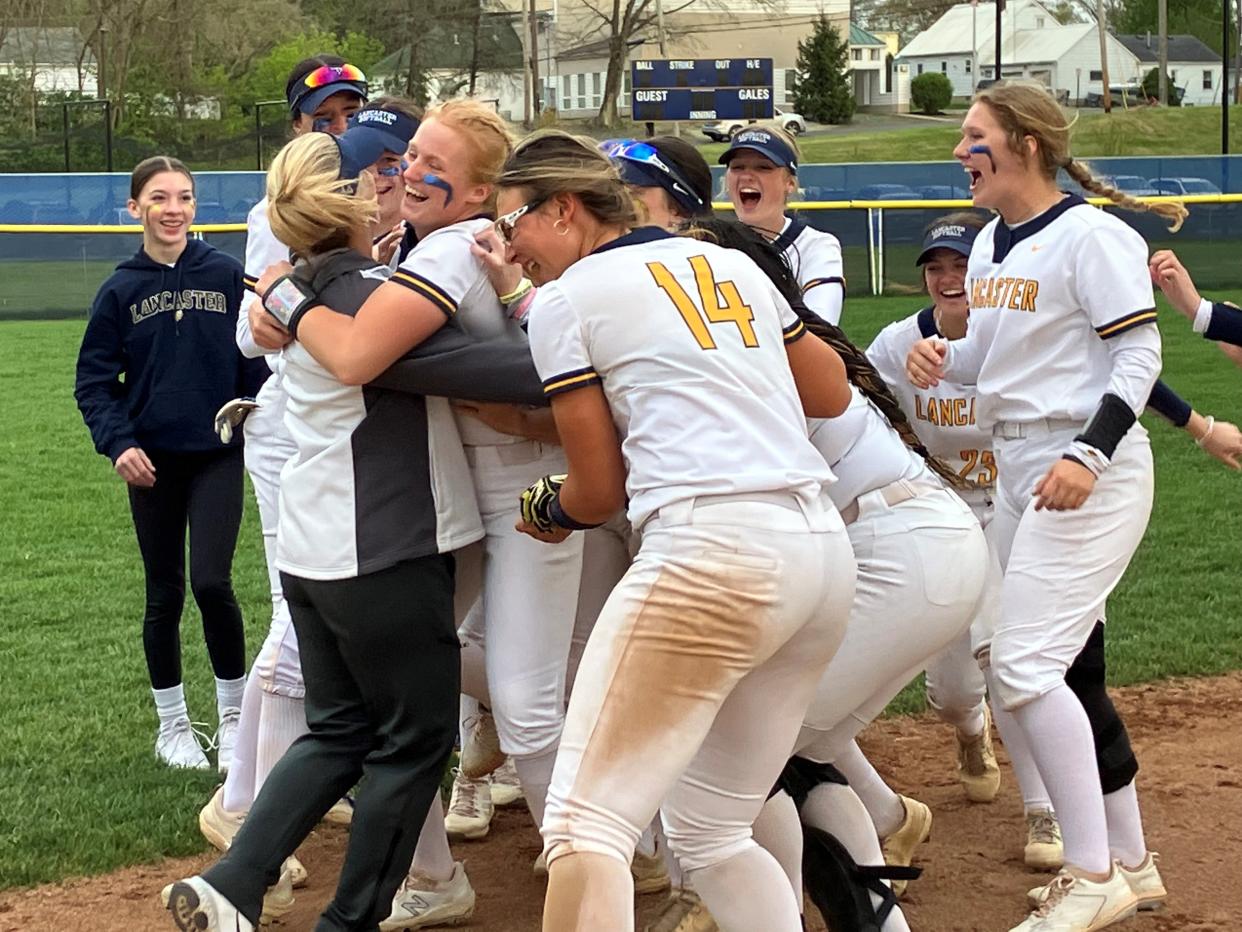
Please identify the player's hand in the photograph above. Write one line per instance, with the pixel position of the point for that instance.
(386, 246)
(925, 362)
(135, 468)
(1224, 442)
(535, 503)
(506, 418)
(555, 536)
(1064, 487)
(233, 414)
(1170, 276)
(266, 329)
(488, 248)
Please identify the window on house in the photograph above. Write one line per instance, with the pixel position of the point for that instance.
(875, 54)
(856, 54)
(1207, 80)
(1173, 74)
(1095, 75)
(597, 89)
(944, 67)
(626, 88)
(1039, 22)
(888, 74)
(967, 66)
(582, 103)
(920, 68)
(791, 83)
(566, 91)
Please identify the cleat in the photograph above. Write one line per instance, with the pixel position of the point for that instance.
(277, 901)
(506, 788)
(197, 906)
(470, 811)
(913, 831)
(684, 912)
(1073, 904)
(218, 825)
(650, 874)
(1145, 883)
(1044, 851)
(176, 744)
(225, 740)
(977, 768)
(421, 903)
(296, 871)
(480, 749)
(342, 811)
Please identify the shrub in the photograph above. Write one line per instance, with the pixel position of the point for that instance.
(931, 92)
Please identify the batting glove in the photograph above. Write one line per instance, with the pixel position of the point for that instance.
(537, 503)
(232, 415)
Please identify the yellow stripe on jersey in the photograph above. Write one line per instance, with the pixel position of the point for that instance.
(816, 282)
(427, 289)
(250, 281)
(795, 331)
(1128, 322)
(568, 381)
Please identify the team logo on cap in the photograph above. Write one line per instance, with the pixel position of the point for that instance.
(386, 117)
(752, 135)
(948, 231)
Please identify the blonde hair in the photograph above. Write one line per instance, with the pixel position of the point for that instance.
(1027, 109)
(552, 162)
(486, 134)
(311, 208)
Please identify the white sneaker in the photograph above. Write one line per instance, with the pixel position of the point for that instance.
(977, 769)
(506, 788)
(480, 748)
(197, 906)
(225, 740)
(1044, 850)
(1146, 883)
(899, 847)
(296, 871)
(277, 901)
(421, 902)
(218, 825)
(176, 744)
(1072, 904)
(649, 873)
(470, 809)
(342, 811)
(684, 912)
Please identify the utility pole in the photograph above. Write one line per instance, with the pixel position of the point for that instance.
(101, 79)
(1162, 57)
(536, 90)
(1224, 88)
(1102, 23)
(526, 82)
(1000, 7)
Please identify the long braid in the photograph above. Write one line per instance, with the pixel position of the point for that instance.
(858, 368)
(1172, 212)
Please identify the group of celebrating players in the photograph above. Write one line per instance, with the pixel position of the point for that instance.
(549, 459)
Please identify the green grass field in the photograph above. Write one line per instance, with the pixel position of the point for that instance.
(84, 793)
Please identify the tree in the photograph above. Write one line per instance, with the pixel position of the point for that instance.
(931, 92)
(824, 92)
(905, 17)
(1151, 88)
(1199, 18)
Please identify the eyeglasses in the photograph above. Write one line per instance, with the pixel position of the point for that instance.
(642, 153)
(504, 225)
(333, 74)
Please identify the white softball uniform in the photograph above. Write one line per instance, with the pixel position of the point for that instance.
(815, 258)
(704, 658)
(529, 590)
(943, 416)
(1062, 311)
(922, 562)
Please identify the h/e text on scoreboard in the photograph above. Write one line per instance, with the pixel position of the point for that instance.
(701, 89)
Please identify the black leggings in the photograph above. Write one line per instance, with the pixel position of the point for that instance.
(203, 491)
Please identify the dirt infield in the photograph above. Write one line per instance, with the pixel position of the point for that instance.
(1189, 742)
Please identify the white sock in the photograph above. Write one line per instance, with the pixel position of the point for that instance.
(229, 693)
(1061, 743)
(1030, 783)
(1125, 826)
(837, 810)
(467, 714)
(170, 704)
(433, 859)
(239, 784)
(535, 774)
(647, 840)
(676, 878)
(972, 724)
(779, 830)
(883, 804)
(748, 891)
(282, 720)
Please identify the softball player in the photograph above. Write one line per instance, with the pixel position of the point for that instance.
(1064, 351)
(761, 175)
(1220, 322)
(698, 670)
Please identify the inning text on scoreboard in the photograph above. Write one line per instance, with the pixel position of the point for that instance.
(701, 89)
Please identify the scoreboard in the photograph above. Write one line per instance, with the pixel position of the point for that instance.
(701, 89)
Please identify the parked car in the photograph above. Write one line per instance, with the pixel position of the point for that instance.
(886, 192)
(1134, 185)
(943, 192)
(1179, 186)
(724, 130)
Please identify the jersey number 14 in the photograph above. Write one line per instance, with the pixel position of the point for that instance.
(720, 302)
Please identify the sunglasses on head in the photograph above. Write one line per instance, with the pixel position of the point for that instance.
(333, 74)
(504, 225)
(642, 153)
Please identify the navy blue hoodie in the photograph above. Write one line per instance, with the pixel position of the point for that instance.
(170, 333)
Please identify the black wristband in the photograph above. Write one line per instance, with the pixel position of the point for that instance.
(558, 517)
(1112, 419)
(1168, 404)
(288, 300)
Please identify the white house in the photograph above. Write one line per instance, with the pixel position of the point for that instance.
(961, 44)
(57, 56)
(1193, 67)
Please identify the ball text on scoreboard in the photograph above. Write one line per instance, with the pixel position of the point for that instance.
(701, 89)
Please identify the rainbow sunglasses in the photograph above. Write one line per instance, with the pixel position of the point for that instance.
(326, 75)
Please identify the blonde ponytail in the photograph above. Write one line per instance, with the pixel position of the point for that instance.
(310, 207)
(1173, 212)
